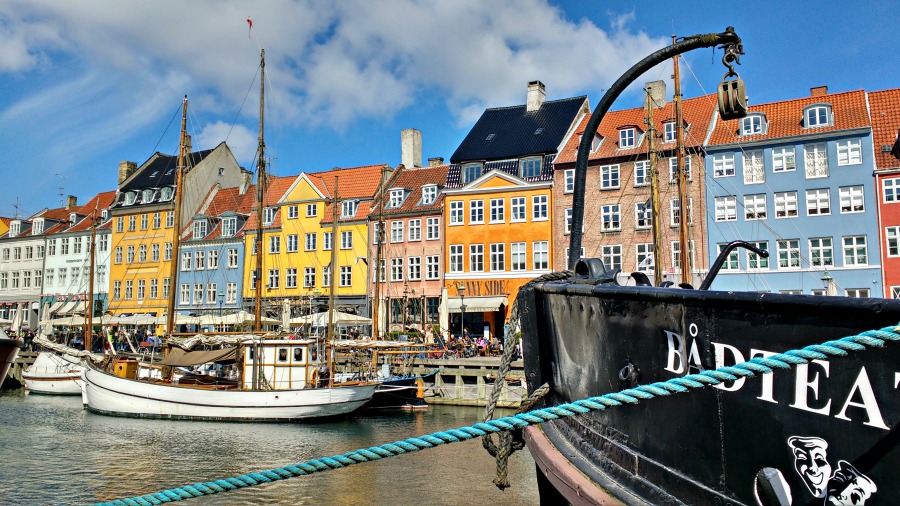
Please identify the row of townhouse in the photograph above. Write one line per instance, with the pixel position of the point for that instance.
(450, 244)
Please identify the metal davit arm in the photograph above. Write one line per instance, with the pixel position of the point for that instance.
(728, 39)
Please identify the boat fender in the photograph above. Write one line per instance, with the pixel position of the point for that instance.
(771, 489)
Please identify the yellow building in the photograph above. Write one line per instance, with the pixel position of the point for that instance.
(497, 238)
(298, 235)
(143, 223)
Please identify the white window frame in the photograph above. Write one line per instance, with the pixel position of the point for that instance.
(855, 250)
(755, 207)
(540, 255)
(476, 258)
(788, 253)
(849, 152)
(723, 165)
(456, 212)
(415, 230)
(498, 210)
(476, 211)
(498, 257)
(456, 258)
(642, 173)
(818, 202)
(610, 177)
(786, 205)
(610, 218)
(726, 208)
(821, 252)
(754, 167)
(890, 190)
(539, 208)
(784, 159)
(627, 138)
(852, 199)
(816, 160)
(817, 115)
(433, 229)
(517, 210)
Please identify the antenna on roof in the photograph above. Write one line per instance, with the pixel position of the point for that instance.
(61, 188)
(18, 210)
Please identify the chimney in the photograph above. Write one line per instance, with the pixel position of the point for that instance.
(126, 169)
(71, 202)
(657, 92)
(536, 96)
(246, 181)
(818, 91)
(434, 162)
(411, 148)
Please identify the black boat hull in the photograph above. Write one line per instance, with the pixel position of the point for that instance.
(9, 349)
(708, 446)
(401, 392)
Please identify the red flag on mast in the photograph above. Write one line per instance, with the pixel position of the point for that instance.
(249, 26)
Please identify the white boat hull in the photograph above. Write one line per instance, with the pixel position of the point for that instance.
(53, 374)
(111, 395)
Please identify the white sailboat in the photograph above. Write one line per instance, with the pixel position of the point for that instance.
(54, 373)
(271, 379)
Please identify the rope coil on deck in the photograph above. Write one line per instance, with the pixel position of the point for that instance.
(750, 368)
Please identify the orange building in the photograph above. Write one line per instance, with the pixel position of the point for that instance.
(497, 205)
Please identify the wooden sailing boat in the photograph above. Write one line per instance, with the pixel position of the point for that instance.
(272, 378)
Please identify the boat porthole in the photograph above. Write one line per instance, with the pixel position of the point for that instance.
(771, 489)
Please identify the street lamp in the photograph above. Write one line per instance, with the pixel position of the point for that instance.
(461, 290)
(828, 283)
(221, 297)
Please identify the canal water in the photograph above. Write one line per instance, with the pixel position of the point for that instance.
(52, 451)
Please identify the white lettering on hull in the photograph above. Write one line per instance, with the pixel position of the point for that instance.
(683, 355)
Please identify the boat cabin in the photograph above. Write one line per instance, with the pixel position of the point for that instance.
(283, 364)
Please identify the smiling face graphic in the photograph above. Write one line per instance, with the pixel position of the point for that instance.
(811, 463)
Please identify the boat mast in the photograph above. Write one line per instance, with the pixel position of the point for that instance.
(379, 241)
(683, 218)
(260, 194)
(336, 201)
(654, 190)
(176, 239)
(89, 303)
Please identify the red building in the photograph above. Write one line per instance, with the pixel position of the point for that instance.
(885, 109)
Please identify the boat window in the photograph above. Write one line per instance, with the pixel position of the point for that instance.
(313, 354)
(282, 354)
(298, 354)
(250, 354)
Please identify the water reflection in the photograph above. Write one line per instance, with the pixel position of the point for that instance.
(54, 452)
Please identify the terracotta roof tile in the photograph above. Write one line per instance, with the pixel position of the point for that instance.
(99, 202)
(697, 113)
(785, 118)
(354, 182)
(885, 107)
(275, 189)
(412, 179)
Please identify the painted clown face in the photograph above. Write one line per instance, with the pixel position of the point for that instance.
(811, 463)
(849, 487)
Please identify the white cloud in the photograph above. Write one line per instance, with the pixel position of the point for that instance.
(331, 64)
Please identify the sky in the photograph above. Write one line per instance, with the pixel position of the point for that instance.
(85, 85)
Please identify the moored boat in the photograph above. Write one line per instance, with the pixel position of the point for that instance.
(287, 386)
(54, 374)
(9, 350)
(824, 432)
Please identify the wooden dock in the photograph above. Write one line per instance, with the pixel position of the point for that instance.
(470, 381)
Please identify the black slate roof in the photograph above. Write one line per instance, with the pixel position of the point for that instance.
(509, 166)
(160, 170)
(510, 132)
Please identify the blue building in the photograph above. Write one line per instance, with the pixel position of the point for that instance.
(211, 257)
(795, 178)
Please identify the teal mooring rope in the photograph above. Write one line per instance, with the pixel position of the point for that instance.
(748, 369)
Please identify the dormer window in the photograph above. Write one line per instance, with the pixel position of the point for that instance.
(15, 228)
(348, 208)
(229, 227)
(104, 215)
(753, 124)
(627, 138)
(530, 167)
(199, 229)
(817, 115)
(165, 194)
(147, 196)
(429, 194)
(470, 172)
(73, 218)
(396, 197)
(596, 142)
(269, 215)
(130, 197)
(669, 131)
(37, 227)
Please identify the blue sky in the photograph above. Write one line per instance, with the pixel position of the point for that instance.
(87, 84)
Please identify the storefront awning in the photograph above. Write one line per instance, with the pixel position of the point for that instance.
(55, 307)
(476, 304)
(67, 308)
